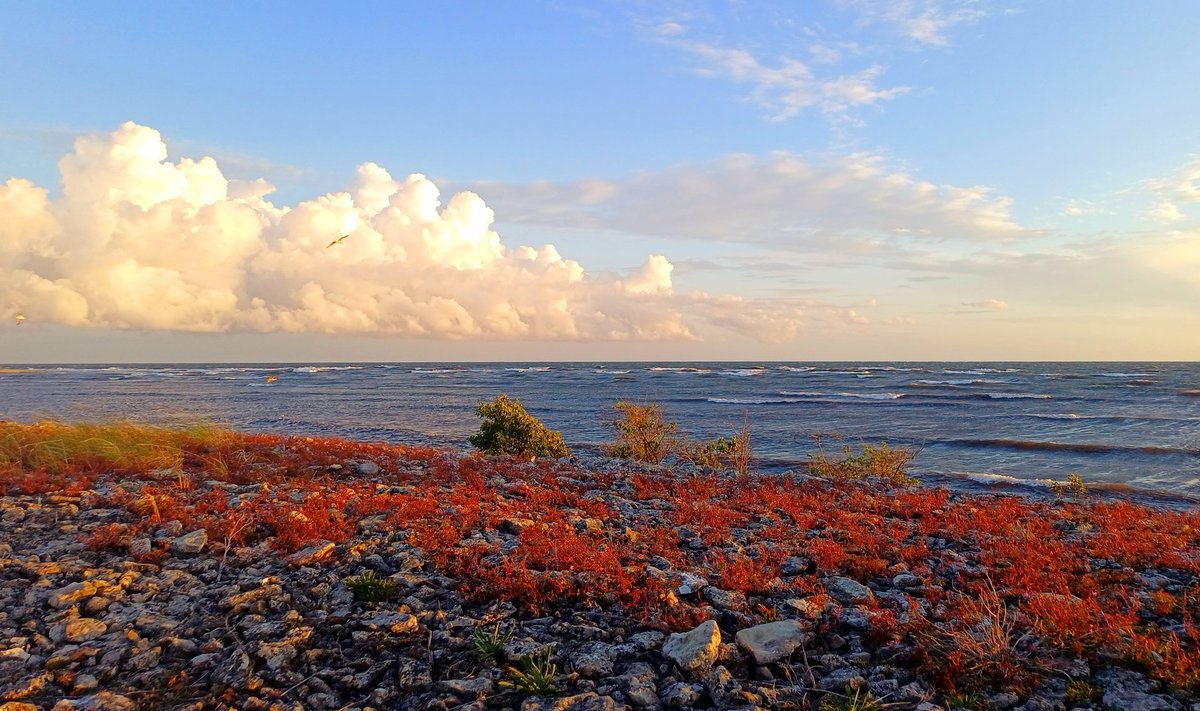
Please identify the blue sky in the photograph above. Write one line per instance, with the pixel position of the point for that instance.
(847, 179)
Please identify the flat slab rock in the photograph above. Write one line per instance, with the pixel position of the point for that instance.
(695, 650)
(773, 641)
(847, 591)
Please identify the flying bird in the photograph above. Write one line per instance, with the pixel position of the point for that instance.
(339, 240)
(20, 319)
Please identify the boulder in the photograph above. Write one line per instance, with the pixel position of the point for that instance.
(847, 591)
(772, 641)
(190, 543)
(696, 650)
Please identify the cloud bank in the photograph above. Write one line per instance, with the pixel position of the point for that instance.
(780, 200)
(135, 241)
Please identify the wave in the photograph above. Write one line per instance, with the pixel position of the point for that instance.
(1110, 418)
(754, 400)
(326, 368)
(603, 371)
(981, 371)
(994, 480)
(744, 372)
(794, 369)
(1018, 396)
(1125, 375)
(858, 396)
(531, 369)
(1191, 392)
(684, 369)
(1083, 448)
(438, 371)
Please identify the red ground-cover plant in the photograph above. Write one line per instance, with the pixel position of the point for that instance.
(1010, 582)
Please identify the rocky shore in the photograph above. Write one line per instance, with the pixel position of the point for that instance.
(286, 573)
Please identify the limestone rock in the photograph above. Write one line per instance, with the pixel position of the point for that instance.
(82, 629)
(71, 594)
(190, 543)
(696, 650)
(313, 554)
(772, 641)
(847, 591)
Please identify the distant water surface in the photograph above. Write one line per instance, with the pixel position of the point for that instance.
(1125, 427)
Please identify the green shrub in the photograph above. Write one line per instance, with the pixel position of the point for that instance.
(872, 462)
(489, 644)
(852, 700)
(534, 674)
(1074, 487)
(643, 434)
(370, 587)
(1081, 691)
(508, 429)
(733, 452)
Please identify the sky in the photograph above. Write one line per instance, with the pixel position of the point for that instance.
(841, 180)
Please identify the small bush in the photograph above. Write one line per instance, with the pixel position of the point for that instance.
(489, 644)
(881, 462)
(643, 434)
(508, 429)
(852, 700)
(1081, 691)
(370, 587)
(1074, 487)
(534, 674)
(733, 452)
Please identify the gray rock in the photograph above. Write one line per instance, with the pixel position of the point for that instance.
(690, 584)
(394, 622)
(1004, 700)
(235, 671)
(103, 701)
(84, 683)
(677, 694)
(724, 599)
(367, 468)
(276, 654)
(82, 629)
(412, 674)
(71, 594)
(468, 688)
(696, 650)
(722, 688)
(312, 554)
(645, 641)
(1132, 700)
(773, 641)
(588, 701)
(190, 543)
(847, 591)
(594, 660)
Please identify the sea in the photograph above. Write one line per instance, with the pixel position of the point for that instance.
(1128, 429)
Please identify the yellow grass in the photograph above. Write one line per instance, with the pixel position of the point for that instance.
(56, 446)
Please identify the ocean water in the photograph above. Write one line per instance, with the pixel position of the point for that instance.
(1128, 428)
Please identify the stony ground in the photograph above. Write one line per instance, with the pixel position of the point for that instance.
(223, 584)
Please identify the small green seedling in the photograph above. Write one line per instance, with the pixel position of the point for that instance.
(370, 587)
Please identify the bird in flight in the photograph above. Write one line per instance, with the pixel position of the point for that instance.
(20, 319)
(339, 240)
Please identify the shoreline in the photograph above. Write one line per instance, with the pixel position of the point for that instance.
(220, 580)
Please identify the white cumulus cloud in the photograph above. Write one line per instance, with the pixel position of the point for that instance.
(136, 241)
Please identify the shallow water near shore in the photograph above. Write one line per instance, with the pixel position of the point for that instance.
(1128, 428)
